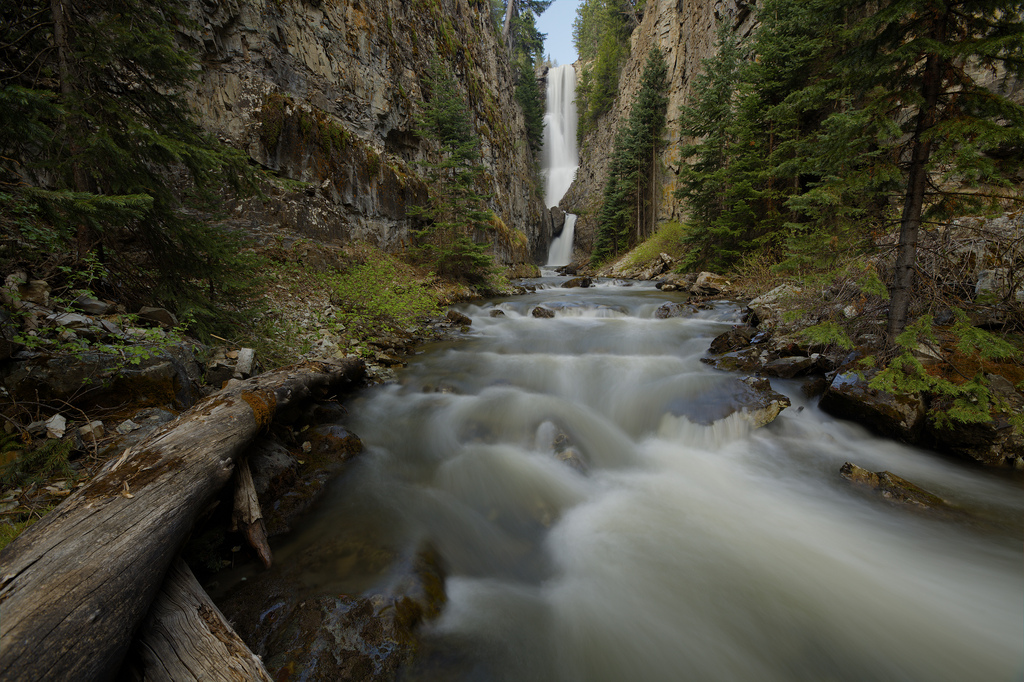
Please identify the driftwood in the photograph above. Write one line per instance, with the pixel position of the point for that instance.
(186, 638)
(75, 587)
(247, 516)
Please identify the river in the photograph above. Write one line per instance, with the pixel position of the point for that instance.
(667, 550)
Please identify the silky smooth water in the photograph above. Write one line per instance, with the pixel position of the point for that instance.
(559, 158)
(682, 551)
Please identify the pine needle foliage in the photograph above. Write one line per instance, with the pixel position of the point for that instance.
(628, 210)
(456, 210)
(99, 144)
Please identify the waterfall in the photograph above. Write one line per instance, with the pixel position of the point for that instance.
(560, 158)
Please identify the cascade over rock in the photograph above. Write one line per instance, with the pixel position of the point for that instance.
(685, 32)
(560, 158)
(326, 93)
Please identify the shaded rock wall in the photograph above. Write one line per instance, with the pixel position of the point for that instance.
(685, 32)
(326, 93)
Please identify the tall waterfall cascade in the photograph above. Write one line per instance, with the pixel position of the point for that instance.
(560, 158)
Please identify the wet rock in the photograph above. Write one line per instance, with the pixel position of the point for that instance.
(789, 367)
(891, 487)
(497, 313)
(577, 282)
(734, 339)
(670, 310)
(993, 443)
(751, 397)
(305, 632)
(541, 312)
(761, 405)
(269, 462)
(458, 319)
(750, 359)
(895, 416)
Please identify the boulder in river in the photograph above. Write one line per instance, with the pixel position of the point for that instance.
(895, 416)
(891, 487)
(995, 442)
(577, 282)
(734, 339)
(542, 312)
(308, 632)
(669, 310)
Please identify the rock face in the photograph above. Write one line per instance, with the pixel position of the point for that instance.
(685, 32)
(326, 94)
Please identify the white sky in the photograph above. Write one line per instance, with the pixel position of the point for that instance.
(557, 23)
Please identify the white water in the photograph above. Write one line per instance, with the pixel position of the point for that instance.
(560, 159)
(684, 551)
(560, 251)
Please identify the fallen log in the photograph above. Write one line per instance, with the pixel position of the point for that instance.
(186, 638)
(75, 587)
(247, 516)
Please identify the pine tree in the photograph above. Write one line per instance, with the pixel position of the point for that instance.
(913, 72)
(627, 201)
(456, 210)
(707, 127)
(98, 89)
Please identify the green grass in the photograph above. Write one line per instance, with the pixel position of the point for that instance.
(668, 239)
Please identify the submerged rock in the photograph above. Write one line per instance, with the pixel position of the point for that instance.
(669, 310)
(751, 397)
(891, 487)
(308, 632)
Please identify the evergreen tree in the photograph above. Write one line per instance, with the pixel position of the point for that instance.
(627, 201)
(456, 210)
(527, 47)
(601, 35)
(96, 126)
(913, 70)
(748, 122)
(707, 127)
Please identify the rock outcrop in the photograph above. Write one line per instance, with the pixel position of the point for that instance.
(326, 94)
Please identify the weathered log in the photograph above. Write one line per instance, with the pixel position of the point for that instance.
(75, 587)
(247, 516)
(186, 638)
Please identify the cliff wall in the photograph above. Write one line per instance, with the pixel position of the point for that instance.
(326, 92)
(685, 32)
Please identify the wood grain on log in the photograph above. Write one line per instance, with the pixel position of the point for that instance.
(247, 516)
(187, 639)
(75, 587)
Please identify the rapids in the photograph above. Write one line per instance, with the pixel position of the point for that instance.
(681, 551)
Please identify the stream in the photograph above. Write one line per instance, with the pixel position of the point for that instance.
(594, 529)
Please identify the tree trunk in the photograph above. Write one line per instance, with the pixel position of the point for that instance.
(75, 587)
(72, 127)
(187, 639)
(510, 11)
(917, 182)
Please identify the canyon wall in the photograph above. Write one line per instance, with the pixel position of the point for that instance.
(326, 93)
(685, 32)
